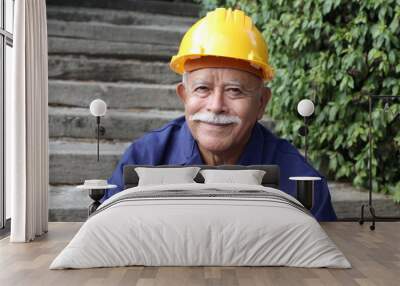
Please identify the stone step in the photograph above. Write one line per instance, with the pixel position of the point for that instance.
(149, 6)
(111, 70)
(119, 124)
(72, 162)
(116, 95)
(66, 203)
(165, 35)
(348, 200)
(116, 17)
(116, 50)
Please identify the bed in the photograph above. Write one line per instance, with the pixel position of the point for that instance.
(201, 224)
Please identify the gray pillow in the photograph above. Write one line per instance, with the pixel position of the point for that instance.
(163, 176)
(248, 177)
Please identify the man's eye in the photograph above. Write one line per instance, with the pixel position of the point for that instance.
(234, 91)
(201, 89)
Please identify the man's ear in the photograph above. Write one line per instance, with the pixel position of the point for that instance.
(181, 92)
(263, 101)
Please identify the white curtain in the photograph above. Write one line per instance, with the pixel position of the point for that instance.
(27, 124)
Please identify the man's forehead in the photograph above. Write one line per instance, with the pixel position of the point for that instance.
(223, 75)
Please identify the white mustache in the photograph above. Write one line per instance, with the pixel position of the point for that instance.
(213, 118)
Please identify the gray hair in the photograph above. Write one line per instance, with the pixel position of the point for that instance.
(184, 78)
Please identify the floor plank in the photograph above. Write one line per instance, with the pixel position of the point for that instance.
(374, 255)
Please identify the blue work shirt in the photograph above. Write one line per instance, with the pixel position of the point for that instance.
(173, 144)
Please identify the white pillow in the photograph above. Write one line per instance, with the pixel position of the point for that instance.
(163, 176)
(249, 177)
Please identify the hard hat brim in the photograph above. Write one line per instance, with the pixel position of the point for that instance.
(177, 64)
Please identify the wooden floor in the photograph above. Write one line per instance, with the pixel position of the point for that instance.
(374, 255)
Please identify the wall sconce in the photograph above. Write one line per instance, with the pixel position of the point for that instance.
(98, 108)
(305, 108)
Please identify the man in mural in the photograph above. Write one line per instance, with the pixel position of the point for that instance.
(223, 60)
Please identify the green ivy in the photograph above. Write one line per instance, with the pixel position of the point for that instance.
(334, 52)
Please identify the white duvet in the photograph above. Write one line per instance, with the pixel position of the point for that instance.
(207, 230)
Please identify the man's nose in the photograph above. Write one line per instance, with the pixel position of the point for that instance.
(216, 102)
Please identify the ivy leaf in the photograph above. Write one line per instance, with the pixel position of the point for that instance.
(327, 6)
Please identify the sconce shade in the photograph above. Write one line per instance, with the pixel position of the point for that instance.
(305, 107)
(98, 107)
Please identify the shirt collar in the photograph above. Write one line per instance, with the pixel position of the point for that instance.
(253, 151)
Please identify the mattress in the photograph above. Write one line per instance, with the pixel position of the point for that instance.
(201, 225)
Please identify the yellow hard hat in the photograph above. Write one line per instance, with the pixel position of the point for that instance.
(224, 33)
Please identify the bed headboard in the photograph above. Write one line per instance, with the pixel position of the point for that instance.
(270, 179)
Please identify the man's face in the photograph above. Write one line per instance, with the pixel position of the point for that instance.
(231, 101)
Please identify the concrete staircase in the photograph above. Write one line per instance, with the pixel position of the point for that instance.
(117, 51)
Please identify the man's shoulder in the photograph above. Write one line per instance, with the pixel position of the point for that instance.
(161, 134)
(286, 154)
(282, 146)
(153, 147)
